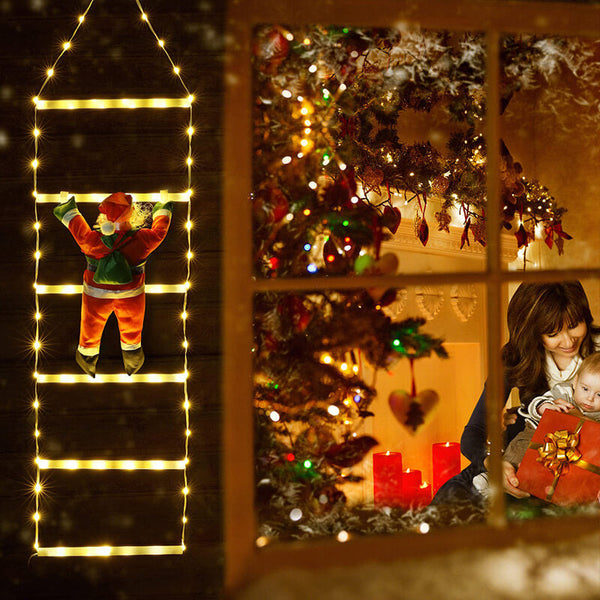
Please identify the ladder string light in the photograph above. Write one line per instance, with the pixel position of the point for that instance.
(42, 464)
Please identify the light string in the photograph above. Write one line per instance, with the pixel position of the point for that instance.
(41, 289)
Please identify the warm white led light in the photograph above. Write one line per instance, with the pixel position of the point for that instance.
(61, 551)
(104, 103)
(97, 197)
(67, 289)
(111, 378)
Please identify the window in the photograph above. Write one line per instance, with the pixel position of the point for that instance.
(270, 275)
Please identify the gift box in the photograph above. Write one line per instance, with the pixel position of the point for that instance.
(562, 462)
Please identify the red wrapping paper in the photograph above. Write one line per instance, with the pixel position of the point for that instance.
(577, 483)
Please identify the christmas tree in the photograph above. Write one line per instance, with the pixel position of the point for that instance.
(330, 174)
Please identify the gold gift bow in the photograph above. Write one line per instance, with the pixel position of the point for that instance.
(559, 451)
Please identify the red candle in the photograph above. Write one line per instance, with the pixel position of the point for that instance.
(445, 462)
(387, 478)
(411, 482)
(423, 495)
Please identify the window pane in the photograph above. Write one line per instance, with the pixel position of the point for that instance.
(360, 409)
(548, 170)
(551, 356)
(364, 135)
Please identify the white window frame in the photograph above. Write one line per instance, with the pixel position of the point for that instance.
(243, 560)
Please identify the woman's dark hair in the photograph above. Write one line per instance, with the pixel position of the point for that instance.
(534, 310)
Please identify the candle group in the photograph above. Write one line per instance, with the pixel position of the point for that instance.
(397, 487)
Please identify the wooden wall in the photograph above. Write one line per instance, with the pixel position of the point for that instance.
(84, 154)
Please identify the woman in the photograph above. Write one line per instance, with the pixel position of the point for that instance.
(550, 330)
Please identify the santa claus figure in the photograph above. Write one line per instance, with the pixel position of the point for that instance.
(113, 281)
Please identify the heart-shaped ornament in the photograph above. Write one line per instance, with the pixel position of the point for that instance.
(412, 412)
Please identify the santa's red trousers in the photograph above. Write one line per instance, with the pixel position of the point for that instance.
(95, 313)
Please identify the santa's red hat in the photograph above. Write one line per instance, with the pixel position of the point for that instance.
(117, 208)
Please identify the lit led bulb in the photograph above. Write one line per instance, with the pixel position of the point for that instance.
(50, 72)
(176, 70)
(66, 45)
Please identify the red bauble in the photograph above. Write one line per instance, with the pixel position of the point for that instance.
(272, 48)
(270, 205)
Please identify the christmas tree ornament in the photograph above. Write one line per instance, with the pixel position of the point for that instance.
(113, 281)
(444, 219)
(413, 411)
(439, 185)
(271, 48)
(391, 218)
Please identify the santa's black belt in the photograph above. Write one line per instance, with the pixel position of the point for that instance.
(136, 270)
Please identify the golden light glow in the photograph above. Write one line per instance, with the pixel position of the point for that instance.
(161, 43)
(176, 70)
(72, 464)
(104, 103)
(188, 225)
(35, 163)
(111, 378)
(97, 197)
(50, 72)
(68, 289)
(66, 45)
(36, 132)
(37, 225)
(61, 551)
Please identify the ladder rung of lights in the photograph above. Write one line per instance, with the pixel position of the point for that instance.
(44, 464)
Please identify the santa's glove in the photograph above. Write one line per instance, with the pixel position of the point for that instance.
(66, 211)
(162, 208)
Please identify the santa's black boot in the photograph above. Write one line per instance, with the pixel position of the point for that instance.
(87, 363)
(133, 360)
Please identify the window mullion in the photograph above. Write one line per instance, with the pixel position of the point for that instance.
(495, 395)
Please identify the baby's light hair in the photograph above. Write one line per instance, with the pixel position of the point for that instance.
(590, 364)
